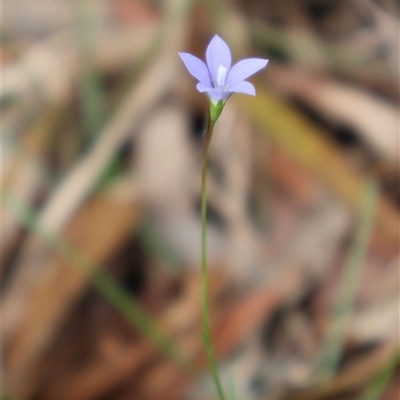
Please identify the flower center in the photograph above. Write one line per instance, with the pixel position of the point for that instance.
(221, 75)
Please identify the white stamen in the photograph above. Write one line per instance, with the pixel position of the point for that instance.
(221, 75)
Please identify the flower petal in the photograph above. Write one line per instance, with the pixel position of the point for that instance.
(201, 87)
(196, 67)
(245, 68)
(217, 54)
(214, 94)
(217, 94)
(243, 87)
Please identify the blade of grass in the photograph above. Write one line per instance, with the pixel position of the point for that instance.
(375, 389)
(92, 95)
(104, 284)
(353, 267)
(232, 392)
(303, 141)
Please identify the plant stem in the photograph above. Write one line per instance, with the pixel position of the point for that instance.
(204, 288)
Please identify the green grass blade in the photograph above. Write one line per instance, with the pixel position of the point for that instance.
(378, 384)
(106, 285)
(92, 94)
(354, 264)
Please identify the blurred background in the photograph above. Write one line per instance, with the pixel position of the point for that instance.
(101, 160)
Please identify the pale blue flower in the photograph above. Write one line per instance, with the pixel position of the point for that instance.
(217, 78)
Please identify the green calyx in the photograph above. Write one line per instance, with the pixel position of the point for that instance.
(216, 110)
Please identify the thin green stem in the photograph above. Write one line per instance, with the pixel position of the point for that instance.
(204, 282)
